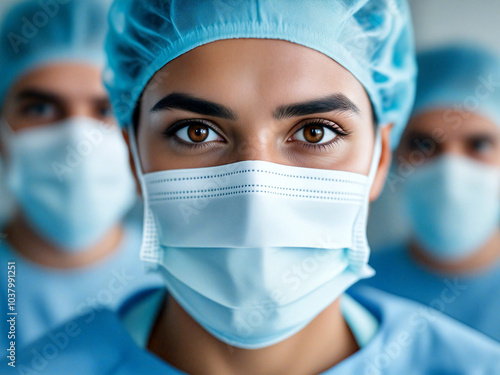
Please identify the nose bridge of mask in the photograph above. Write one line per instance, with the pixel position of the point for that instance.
(284, 206)
(68, 142)
(68, 130)
(197, 207)
(455, 175)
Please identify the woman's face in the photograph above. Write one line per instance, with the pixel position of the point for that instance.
(255, 99)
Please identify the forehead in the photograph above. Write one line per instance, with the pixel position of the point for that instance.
(279, 71)
(454, 123)
(66, 79)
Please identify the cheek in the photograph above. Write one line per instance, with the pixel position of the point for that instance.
(360, 145)
(497, 159)
(494, 156)
(150, 143)
(360, 154)
(149, 151)
(12, 116)
(156, 154)
(18, 123)
(352, 154)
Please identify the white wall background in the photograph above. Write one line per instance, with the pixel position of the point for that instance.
(441, 21)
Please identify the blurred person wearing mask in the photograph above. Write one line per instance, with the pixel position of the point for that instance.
(260, 133)
(66, 167)
(448, 170)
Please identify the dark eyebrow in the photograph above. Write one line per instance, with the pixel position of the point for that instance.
(335, 102)
(37, 95)
(485, 136)
(192, 104)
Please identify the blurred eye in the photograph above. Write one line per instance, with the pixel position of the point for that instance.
(315, 133)
(105, 112)
(197, 133)
(481, 145)
(424, 144)
(41, 110)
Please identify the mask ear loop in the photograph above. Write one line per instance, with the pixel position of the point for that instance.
(150, 247)
(359, 254)
(377, 154)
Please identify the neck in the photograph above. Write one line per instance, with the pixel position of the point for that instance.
(183, 343)
(479, 260)
(36, 249)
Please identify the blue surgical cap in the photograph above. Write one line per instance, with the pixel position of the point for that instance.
(35, 33)
(459, 77)
(373, 39)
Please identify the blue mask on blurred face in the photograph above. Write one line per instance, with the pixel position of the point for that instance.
(454, 206)
(72, 179)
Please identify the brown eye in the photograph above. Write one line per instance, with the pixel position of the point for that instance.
(313, 134)
(198, 133)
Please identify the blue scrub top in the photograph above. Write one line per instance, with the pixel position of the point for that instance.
(473, 299)
(407, 342)
(47, 297)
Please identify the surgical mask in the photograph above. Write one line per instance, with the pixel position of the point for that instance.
(254, 250)
(71, 179)
(453, 205)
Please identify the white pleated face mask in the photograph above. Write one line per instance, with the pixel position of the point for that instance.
(71, 179)
(454, 206)
(254, 250)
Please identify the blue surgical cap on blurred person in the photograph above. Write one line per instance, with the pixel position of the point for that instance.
(371, 39)
(34, 33)
(461, 78)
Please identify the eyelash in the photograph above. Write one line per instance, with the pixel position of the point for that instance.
(170, 132)
(337, 129)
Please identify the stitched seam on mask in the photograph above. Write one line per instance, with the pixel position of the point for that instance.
(253, 170)
(256, 191)
(252, 186)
